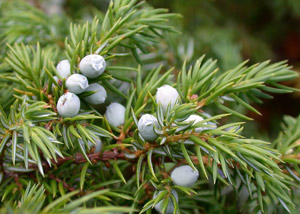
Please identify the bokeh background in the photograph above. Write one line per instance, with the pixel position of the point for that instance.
(230, 31)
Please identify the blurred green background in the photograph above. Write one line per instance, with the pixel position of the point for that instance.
(228, 30)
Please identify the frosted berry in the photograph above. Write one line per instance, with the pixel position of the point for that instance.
(68, 105)
(159, 205)
(196, 119)
(184, 176)
(167, 96)
(115, 114)
(146, 127)
(98, 97)
(77, 83)
(64, 68)
(92, 65)
(98, 146)
(56, 80)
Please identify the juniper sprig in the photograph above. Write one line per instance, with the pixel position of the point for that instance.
(86, 127)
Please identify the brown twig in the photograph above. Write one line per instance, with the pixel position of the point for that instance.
(79, 158)
(184, 136)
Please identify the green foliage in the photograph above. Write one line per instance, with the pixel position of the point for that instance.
(240, 84)
(20, 22)
(51, 161)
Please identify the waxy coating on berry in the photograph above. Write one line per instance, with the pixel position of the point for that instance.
(98, 97)
(195, 119)
(115, 114)
(167, 96)
(64, 68)
(146, 127)
(77, 83)
(98, 146)
(56, 80)
(184, 176)
(92, 65)
(170, 207)
(68, 105)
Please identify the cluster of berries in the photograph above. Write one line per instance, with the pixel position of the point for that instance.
(91, 66)
(184, 175)
(68, 105)
(168, 97)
